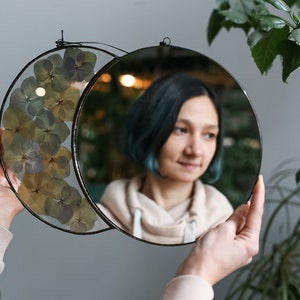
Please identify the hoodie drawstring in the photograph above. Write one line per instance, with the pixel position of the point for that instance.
(189, 232)
(137, 226)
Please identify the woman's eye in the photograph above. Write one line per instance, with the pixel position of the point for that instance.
(180, 130)
(210, 136)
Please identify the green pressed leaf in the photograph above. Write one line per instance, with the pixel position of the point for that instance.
(290, 53)
(234, 16)
(296, 35)
(279, 4)
(266, 49)
(272, 21)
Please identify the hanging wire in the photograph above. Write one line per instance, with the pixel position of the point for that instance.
(165, 42)
(61, 43)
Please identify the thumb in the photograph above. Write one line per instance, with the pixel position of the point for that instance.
(239, 216)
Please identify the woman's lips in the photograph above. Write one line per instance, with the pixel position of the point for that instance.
(190, 165)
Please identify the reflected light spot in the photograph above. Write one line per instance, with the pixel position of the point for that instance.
(127, 80)
(41, 92)
(228, 141)
(105, 78)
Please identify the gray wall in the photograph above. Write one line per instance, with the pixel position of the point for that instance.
(44, 263)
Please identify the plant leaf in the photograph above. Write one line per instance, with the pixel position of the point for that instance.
(279, 4)
(290, 53)
(266, 49)
(234, 16)
(254, 37)
(272, 21)
(242, 6)
(296, 35)
(297, 177)
(215, 24)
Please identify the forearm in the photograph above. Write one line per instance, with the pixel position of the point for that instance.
(5, 238)
(188, 287)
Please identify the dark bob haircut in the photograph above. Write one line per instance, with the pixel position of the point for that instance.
(152, 118)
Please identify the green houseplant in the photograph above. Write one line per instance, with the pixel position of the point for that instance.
(272, 29)
(275, 273)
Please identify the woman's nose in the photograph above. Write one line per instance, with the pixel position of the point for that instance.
(194, 147)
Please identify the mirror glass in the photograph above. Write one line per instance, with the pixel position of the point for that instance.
(36, 116)
(158, 166)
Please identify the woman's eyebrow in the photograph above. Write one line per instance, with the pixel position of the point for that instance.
(208, 125)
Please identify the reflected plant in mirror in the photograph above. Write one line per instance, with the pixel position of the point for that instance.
(167, 144)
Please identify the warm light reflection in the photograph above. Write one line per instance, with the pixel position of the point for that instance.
(105, 78)
(41, 92)
(127, 80)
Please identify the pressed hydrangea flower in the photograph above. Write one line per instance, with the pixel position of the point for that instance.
(50, 134)
(79, 64)
(23, 156)
(84, 218)
(15, 122)
(51, 73)
(26, 99)
(58, 164)
(63, 104)
(34, 190)
(62, 202)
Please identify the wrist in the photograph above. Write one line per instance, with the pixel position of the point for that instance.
(6, 218)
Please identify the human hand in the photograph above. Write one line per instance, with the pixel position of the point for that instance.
(230, 245)
(10, 206)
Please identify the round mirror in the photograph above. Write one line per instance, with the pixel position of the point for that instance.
(166, 144)
(36, 116)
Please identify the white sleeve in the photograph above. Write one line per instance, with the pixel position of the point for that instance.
(188, 287)
(5, 238)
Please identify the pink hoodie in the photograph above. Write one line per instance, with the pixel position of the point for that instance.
(135, 213)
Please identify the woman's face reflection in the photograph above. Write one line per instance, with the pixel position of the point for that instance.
(190, 148)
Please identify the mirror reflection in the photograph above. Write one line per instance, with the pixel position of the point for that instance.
(167, 144)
